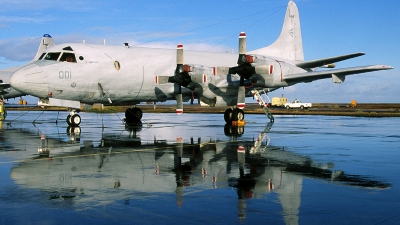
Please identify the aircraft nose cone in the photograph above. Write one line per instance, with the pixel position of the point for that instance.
(30, 79)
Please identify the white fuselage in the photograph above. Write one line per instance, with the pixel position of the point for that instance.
(126, 75)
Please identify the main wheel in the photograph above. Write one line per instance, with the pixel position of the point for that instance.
(69, 120)
(133, 115)
(137, 112)
(237, 114)
(228, 116)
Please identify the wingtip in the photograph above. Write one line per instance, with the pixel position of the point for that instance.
(385, 67)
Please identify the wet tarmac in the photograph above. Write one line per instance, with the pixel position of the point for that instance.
(194, 169)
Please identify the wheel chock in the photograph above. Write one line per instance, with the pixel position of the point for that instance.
(238, 123)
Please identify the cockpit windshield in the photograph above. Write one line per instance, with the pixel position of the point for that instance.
(41, 57)
(55, 56)
(68, 57)
(52, 56)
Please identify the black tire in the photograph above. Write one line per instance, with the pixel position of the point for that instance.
(75, 120)
(133, 115)
(237, 114)
(69, 120)
(137, 112)
(228, 116)
(287, 107)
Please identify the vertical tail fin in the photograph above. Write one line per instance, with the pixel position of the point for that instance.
(289, 43)
(47, 41)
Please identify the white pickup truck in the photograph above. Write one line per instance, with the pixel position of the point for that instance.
(297, 104)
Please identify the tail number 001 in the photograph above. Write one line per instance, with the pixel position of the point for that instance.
(64, 74)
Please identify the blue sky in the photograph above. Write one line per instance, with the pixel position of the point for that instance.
(329, 28)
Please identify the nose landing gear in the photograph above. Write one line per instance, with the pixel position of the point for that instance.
(73, 119)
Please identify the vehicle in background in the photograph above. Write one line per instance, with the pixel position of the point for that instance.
(278, 101)
(297, 104)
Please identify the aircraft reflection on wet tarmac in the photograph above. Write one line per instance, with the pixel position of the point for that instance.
(83, 173)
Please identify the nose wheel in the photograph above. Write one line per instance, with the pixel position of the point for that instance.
(73, 119)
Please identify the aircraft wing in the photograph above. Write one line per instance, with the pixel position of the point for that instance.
(327, 61)
(311, 76)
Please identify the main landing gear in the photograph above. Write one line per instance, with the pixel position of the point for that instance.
(235, 114)
(133, 115)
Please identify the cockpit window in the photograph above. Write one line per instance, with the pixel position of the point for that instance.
(52, 56)
(68, 57)
(68, 48)
(41, 57)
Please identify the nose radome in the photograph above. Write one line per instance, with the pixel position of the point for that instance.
(28, 79)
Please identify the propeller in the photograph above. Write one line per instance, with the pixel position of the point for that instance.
(244, 69)
(184, 75)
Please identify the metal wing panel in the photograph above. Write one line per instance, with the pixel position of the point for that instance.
(326, 61)
(317, 75)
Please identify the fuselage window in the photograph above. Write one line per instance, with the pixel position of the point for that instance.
(41, 57)
(68, 57)
(52, 56)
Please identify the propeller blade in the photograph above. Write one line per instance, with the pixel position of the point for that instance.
(241, 97)
(161, 79)
(242, 48)
(179, 104)
(217, 71)
(199, 78)
(179, 54)
(241, 69)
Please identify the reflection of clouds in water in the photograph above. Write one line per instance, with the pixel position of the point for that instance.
(185, 125)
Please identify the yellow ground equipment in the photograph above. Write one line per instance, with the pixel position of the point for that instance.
(353, 103)
(278, 101)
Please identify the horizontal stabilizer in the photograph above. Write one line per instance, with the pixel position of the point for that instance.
(326, 61)
(311, 76)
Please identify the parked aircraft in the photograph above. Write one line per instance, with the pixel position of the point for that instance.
(70, 74)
